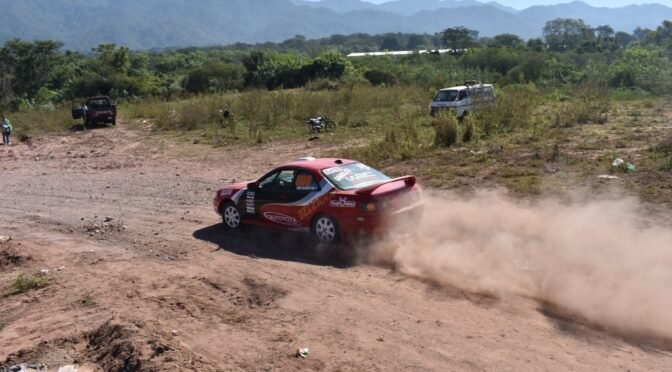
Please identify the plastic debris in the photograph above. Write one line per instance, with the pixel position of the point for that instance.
(25, 367)
(623, 165)
(302, 352)
(608, 177)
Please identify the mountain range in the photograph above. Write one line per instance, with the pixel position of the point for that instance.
(151, 24)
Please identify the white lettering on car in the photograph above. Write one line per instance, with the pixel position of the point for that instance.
(249, 202)
(282, 219)
(343, 202)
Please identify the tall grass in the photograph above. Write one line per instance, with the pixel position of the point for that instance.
(41, 120)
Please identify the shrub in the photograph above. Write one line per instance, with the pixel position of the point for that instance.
(378, 77)
(28, 282)
(469, 128)
(445, 129)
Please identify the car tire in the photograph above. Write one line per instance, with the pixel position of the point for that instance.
(325, 229)
(231, 216)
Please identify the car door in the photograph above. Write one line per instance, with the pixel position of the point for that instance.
(279, 201)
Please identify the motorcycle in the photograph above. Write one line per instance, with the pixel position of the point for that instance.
(317, 124)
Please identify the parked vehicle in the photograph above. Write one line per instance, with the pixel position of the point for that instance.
(96, 110)
(334, 199)
(463, 99)
(317, 124)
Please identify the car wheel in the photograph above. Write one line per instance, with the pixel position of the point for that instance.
(325, 229)
(231, 216)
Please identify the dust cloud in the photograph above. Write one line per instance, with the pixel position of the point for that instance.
(598, 259)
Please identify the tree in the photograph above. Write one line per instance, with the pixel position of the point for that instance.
(536, 45)
(506, 41)
(641, 34)
(567, 34)
(459, 37)
(27, 66)
(329, 65)
(622, 39)
(215, 76)
(391, 42)
(605, 37)
(416, 41)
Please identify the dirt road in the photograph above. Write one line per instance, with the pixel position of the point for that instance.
(144, 279)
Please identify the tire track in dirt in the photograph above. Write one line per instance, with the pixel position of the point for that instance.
(235, 302)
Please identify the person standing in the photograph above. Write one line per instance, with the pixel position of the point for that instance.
(7, 129)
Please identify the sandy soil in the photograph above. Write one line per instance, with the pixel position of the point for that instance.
(144, 279)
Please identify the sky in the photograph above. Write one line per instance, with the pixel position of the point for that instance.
(522, 4)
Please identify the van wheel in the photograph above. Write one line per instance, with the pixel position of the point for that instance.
(464, 116)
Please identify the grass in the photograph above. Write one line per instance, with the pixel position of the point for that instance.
(511, 144)
(87, 301)
(42, 120)
(28, 282)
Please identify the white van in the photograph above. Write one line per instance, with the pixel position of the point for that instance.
(463, 99)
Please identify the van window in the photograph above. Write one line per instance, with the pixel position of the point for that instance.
(446, 95)
(489, 93)
(463, 94)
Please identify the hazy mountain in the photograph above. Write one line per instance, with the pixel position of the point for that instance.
(339, 6)
(622, 19)
(403, 7)
(146, 24)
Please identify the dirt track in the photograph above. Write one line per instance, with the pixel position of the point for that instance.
(160, 286)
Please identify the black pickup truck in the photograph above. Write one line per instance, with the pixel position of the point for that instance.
(96, 110)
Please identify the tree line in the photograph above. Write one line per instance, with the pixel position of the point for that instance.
(569, 52)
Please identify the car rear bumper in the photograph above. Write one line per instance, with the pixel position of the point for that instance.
(375, 223)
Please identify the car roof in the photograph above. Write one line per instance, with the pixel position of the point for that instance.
(317, 164)
(460, 87)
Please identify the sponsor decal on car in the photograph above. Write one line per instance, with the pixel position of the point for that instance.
(249, 202)
(343, 202)
(305, 182)
(282, 219)
(311, 208)
(330, 171)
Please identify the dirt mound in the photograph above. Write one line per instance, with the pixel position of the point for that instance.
(102, 230)
(110, 347)
(10, 256)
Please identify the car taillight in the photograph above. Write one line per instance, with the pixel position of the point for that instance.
(373, 206)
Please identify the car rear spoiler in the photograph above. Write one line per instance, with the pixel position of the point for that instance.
(408, 180)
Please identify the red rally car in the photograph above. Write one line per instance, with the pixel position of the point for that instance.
(334, 199)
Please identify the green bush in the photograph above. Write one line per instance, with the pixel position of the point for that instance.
(445, 130)
(28, 282)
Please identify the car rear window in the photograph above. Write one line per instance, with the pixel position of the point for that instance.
(98, 103)
(353, 176)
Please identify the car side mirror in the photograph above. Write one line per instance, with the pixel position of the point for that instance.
(253, 186)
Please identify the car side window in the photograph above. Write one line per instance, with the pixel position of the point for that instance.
(278, 181)
(267, 183)
(305, 182)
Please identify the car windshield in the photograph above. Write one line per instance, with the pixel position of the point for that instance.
(446, 95)
(354, 176)
(98, 103)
